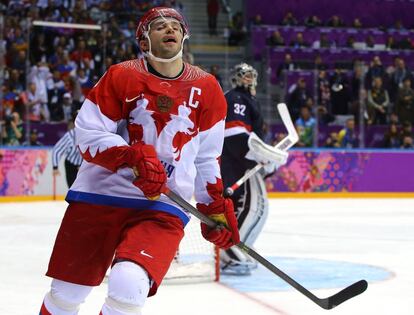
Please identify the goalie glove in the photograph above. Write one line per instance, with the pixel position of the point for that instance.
(226, 234)
(264, 153)
(270, 168)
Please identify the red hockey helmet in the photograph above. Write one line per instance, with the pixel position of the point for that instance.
(158, 12)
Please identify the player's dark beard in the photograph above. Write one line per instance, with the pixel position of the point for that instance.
(163, 52)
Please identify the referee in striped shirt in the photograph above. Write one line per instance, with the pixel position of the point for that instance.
(67, 146)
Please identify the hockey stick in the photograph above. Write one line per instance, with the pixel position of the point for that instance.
(326, 303)
(285, 144)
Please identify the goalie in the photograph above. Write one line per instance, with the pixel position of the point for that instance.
(242, 150)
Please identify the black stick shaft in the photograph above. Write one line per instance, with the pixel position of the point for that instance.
(326, 303)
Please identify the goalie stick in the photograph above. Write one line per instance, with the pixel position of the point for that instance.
(326, 303)
(285, 144)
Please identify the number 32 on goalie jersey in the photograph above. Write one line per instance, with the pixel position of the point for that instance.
(239, 109)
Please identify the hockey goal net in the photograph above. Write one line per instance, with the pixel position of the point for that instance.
(196, 260)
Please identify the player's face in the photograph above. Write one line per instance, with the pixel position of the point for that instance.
(248, 78)
(166, 35)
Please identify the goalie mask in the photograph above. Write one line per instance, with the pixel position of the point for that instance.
(243, 75)
(157, 13)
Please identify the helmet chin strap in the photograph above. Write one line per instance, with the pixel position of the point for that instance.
(149, 53)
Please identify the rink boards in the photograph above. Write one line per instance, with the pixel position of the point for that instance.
(26, 174)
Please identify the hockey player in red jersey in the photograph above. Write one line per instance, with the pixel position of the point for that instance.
(147, 124)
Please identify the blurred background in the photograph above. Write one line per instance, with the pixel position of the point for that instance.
(344, 68)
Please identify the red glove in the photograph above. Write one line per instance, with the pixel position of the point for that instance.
(151, 177)
(222, 212)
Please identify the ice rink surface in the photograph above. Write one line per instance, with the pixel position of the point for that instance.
(325, 244)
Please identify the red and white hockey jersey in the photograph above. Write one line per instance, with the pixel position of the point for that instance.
(183, 118)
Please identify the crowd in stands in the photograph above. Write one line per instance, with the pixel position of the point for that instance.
(49, 81)
(385, 90)
(387, 96)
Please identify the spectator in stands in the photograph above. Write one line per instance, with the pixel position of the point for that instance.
(378, 103)
(33, 139)
(213, 8)
(38, 49)
(108, 62)
(357, 90)
(340, 94)
(323, 42)
(319, 64)
(347, 137)
(405, 43)
(286, 65)
(369, 42)
(10, 101)
(390, 43)
(177, 5)
(67, 43)
(275, 39)
(324, 97)
(36, 103)
(12, 132)
(406, 131)
(335, 21)
(392, 137)
(238, 30)
(393, 119)
(405, 101)
(56, 56)
(289, 19)
(350, 42)
(332, 141)
(324, 94)
(297, 98)
(321, 111)
(312, 21)
(398, 26)
(356, 23)
(299, 41)
(257, 20)
(39, 74)
(18, 40)
(267, 134)
(15, 82)
(83, 76)
(82, 55)
(214, 70)
(407, 143)
(18, 60)
(55, 91)
(305, 125)
(376, 69)
(129, 31)
(397, 76)
(66, 66)
(68, 108)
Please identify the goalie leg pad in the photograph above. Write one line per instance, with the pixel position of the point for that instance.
(252, 211)
(256, 210)
(234, 256)
(64, 298)
(128, 287)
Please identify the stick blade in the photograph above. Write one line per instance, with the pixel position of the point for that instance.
(344, 295)
(287, 121)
